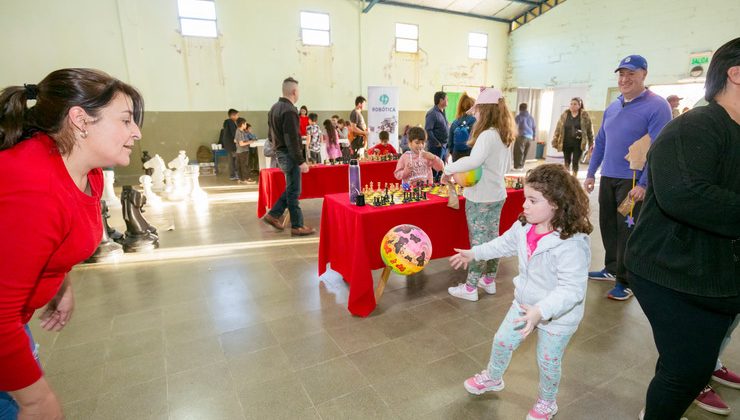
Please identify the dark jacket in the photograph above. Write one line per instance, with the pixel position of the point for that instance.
(587, 136)
(436, 127)
(284, 131)
(690, 221)
(228, 133)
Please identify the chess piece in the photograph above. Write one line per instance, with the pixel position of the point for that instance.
(109, 193)
(151, 197)
(158, 168)
(140, 235)
(108, 250)
(144, 159)
(112, 232)
(178, 166)
(196, 192)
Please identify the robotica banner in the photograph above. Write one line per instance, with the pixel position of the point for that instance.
(382, 113)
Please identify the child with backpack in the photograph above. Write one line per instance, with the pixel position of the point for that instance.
(492, 135)
(457, 141)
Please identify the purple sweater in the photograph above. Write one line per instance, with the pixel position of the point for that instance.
(623, 124)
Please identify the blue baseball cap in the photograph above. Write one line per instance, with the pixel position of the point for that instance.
(632, 62)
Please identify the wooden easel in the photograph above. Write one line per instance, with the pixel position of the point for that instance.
(383, 281)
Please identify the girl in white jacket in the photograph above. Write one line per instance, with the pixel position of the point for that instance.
(554, 254)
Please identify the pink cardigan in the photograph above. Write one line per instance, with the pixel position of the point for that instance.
(420, 169)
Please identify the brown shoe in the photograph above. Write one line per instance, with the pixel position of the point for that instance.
(275, 223)
(302, 231)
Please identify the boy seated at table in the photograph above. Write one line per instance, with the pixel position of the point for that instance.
(415, 166)
(382, 148)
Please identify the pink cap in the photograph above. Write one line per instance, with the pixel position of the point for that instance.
(487, 96)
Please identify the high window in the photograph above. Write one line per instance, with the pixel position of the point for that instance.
(407, 38)
(197, 18)
(478, 45)
(315, 29)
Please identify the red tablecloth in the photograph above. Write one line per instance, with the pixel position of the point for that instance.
(350, 237)
(319, 181)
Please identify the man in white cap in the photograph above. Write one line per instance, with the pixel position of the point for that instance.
(673, 101)
(636, 112)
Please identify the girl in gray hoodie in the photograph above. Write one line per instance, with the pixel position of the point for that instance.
(551, 242)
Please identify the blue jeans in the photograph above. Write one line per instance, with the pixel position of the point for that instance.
(440, 152)
(289, 198)
(8, 406)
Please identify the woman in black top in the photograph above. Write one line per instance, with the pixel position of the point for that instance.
(683, 256)
(573, 134)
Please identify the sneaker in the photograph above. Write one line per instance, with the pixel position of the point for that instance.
(619, 292)
(543, 410)
(463, 292)
(482, 382)
(602, 275)
(234, 178)
(488, 284)
(642, 415)
(711, 401)
(726, 377)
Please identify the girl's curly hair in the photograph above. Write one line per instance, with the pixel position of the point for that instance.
(562, 191)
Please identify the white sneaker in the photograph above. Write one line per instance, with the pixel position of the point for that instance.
(642, 415)
(461, 291)
(490, 288)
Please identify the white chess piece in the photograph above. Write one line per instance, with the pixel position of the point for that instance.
(157, 163)
(196, 192)
(109, 193)
(151, 197)
(178, 166)
(169, 183)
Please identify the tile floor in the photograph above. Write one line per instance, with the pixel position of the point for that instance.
(228, 320)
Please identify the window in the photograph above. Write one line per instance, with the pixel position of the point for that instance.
(407, 38)
(478, 46)
(197, 18)
(315, 29)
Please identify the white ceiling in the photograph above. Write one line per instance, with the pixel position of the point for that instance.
(502, 9)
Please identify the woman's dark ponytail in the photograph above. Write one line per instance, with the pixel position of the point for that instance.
(13, 112)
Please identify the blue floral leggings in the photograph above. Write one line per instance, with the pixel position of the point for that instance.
(483, 221)
(550, 348)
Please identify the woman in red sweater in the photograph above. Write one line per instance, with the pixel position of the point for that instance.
(50, 188)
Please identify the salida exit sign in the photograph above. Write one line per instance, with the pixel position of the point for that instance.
(698, 63)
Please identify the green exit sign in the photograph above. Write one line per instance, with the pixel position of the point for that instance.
(697, 61)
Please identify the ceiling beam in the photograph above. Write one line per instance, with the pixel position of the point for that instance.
(533, 13)
(370, 6)
(529, 2)
(433, 9)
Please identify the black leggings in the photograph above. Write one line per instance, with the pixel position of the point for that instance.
(572, 155)
(688, 331)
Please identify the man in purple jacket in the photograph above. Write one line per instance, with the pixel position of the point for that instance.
(636, 112)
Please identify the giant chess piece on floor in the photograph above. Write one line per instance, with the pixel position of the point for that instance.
(151, 197)
(108, 250)
(109, 193)
(178, 166)
(112, 232)
(158, 169)
(144, 159)
(196, 192)
(140, 235)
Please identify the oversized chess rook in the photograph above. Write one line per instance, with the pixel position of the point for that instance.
(140, 235)
(109, 193)
(107, 249)
(196, 192)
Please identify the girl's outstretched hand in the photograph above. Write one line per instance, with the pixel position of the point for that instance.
(531, 316)
(462, 258)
